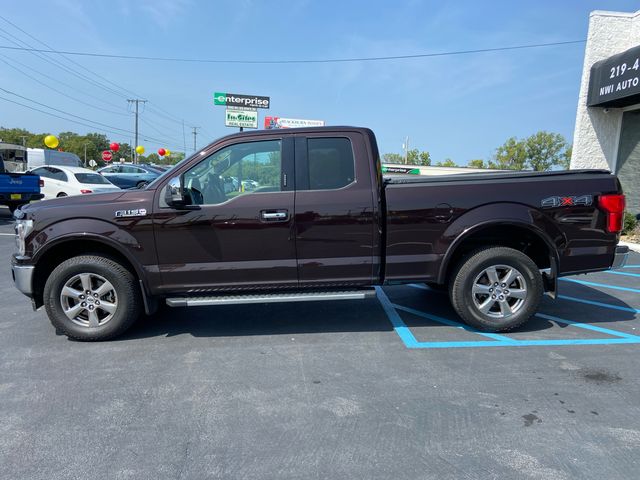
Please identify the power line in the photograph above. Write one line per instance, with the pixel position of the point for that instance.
(91, 124)
(297, 61)
(78, 74)
(102, 109)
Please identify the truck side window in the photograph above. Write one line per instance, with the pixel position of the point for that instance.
(240, 169)
(331, 163)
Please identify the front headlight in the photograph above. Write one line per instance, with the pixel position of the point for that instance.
(23, 229)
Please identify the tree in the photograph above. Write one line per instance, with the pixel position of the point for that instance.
(565, 161)
(477, 163)
(425, 159)
(446, 163)
(414, 157)
(545, 150)
(512, 155)
(392, 158)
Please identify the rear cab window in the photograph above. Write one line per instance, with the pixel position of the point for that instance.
(92, 178)
(331, 163)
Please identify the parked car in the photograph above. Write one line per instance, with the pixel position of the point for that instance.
(38, 157)
(323, 225)
(57, 181)
(130, 176)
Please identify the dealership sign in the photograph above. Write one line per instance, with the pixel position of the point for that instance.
(280, 122)
(615, 82)
(240, 101)
(243, 118)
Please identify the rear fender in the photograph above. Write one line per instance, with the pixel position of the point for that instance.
(496, 214)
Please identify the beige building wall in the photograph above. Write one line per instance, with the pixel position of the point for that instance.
(597, 131)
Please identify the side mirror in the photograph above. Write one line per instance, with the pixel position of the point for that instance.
(174, 196)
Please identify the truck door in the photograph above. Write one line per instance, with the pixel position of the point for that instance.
(237, 234)
(334, 210)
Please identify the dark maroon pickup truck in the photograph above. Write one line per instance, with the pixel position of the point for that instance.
(305, 214)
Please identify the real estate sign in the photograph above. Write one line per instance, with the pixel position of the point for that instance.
(241, 118)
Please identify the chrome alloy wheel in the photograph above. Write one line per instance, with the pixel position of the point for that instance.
(89, 300)
(499, 291)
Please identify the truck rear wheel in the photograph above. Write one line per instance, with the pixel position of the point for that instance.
(91, 298)
(496, 288)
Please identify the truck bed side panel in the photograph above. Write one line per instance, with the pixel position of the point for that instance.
(425, 219)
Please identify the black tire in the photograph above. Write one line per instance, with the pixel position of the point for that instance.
(142, 184)
(125, 295)
(467, 286)
(13, 207)
(61, 194)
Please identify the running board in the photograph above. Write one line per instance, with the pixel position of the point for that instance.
(270, 298)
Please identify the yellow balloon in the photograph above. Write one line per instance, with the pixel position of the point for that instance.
(167, 152)
(139, 149)
(51, 141)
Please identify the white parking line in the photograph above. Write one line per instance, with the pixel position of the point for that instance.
(8, 234)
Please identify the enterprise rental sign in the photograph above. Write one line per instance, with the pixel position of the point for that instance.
(238, 100)
(615, 82)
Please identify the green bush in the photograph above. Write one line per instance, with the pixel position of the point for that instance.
(629, 224)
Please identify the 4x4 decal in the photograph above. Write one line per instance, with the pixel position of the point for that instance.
(569, 201)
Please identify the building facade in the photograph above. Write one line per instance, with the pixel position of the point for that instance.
(607, 132)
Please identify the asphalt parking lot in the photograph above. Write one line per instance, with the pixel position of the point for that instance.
(392, 387)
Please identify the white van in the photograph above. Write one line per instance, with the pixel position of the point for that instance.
(38, 157)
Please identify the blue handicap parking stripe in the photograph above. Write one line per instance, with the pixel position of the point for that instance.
(631, 266)
(627, 274)
(599, 304)
(602, 285)
(410, 341)
(451, 323)
(588, 326)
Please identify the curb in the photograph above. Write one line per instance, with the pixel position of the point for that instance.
(635, 247)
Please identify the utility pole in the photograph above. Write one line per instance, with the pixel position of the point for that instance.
(195, 134)
(406, 149)
(24, 140)
(136, 101)
(85, 155)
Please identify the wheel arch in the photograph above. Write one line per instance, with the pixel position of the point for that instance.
(72, 246)
(522, 236)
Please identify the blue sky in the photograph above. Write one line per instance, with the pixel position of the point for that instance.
(459, 107)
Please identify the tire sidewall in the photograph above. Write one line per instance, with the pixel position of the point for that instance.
(126, 297)
(475, 265)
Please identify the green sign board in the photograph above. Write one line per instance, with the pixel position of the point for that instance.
(241, 118)
(400, 169)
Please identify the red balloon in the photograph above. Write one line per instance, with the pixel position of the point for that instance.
(114, 147)
(162, 152)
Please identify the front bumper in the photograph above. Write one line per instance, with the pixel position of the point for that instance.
(23, 278)
(620, 257)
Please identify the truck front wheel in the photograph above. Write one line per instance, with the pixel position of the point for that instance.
(91, 298)
(496, 288)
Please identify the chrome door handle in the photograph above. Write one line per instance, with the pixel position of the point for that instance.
(274, 215)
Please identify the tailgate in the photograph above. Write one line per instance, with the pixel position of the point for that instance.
(19, 183)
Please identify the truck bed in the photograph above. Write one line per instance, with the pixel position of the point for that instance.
(490, 175)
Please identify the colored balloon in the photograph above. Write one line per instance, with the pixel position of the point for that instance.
(51, 141)
(162, 152)
(167, 152)
(114, 147)
(139, 149)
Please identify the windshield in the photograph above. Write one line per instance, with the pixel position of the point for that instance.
(13, 160)
(92, 178)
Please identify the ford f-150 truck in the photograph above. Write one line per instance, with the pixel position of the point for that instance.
(320, 222)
